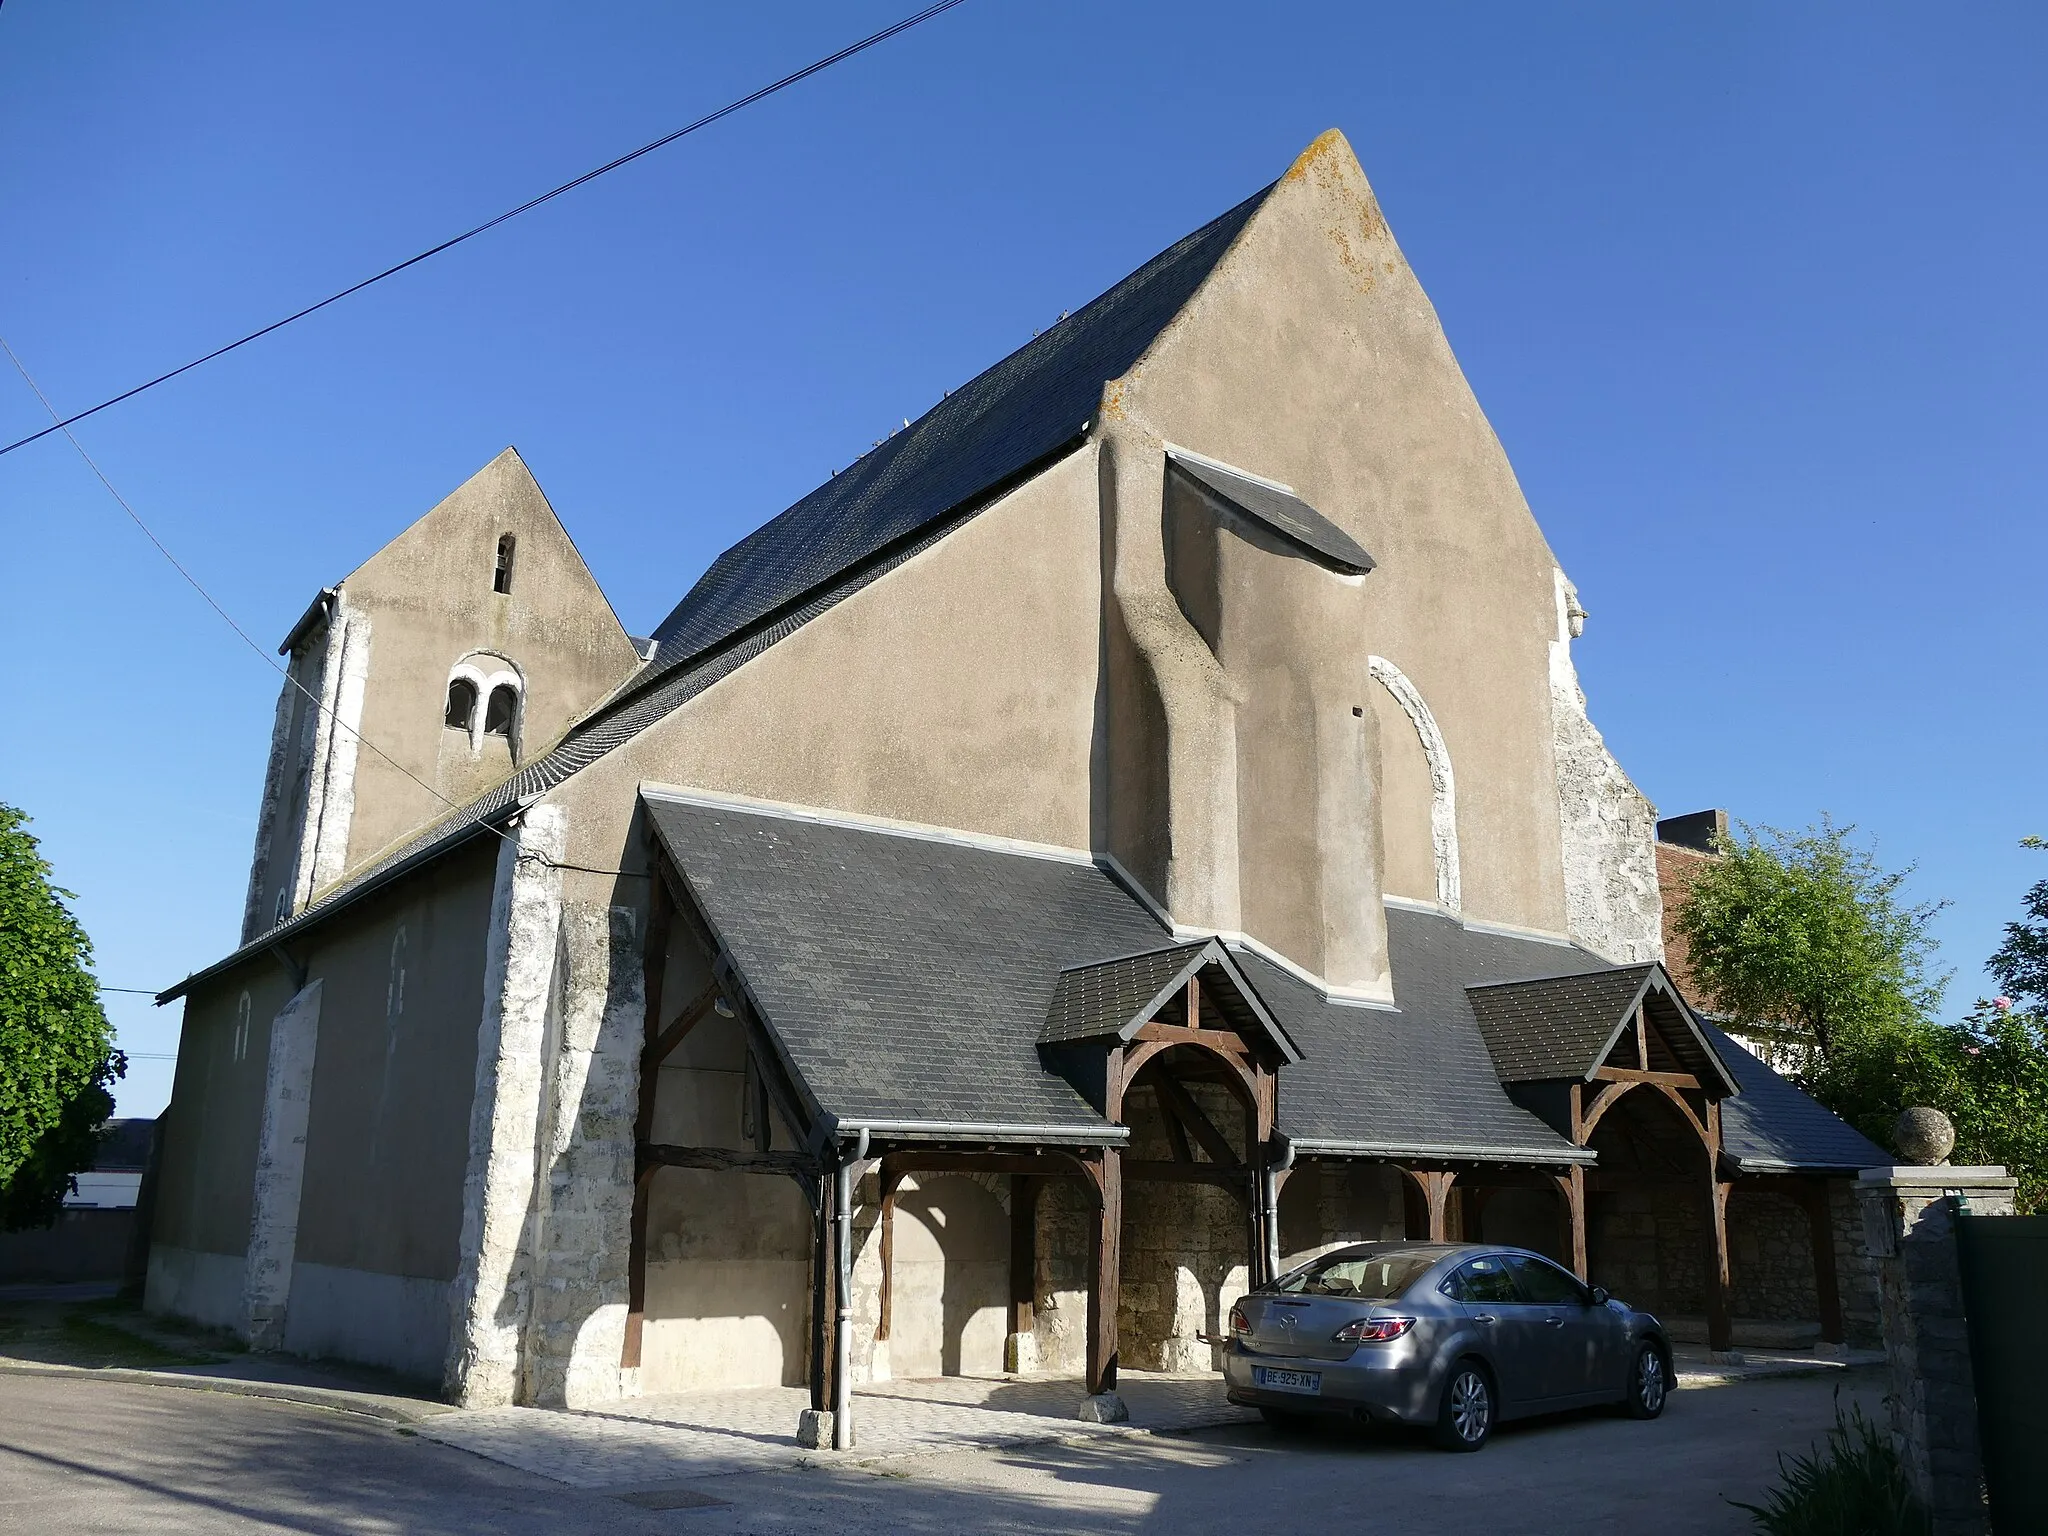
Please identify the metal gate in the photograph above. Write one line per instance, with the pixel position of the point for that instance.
(2005, 1294)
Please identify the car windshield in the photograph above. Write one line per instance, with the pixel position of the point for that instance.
(1374, 1276)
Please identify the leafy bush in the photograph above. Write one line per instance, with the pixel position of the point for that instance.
(1851, 1486)
(57, 1056)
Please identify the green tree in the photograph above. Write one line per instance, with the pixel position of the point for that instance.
(57, 1056)
(1803, 933)
(2021, 964)
(1988, 1071)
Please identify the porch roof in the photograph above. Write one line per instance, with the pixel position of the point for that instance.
(911, 974)
(1564, 1027)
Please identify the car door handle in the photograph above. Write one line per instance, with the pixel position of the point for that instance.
(1555, 1322)
(1484, 1317)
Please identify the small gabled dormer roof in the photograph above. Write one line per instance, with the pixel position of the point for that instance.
(1113, 999)
(1566, 1027)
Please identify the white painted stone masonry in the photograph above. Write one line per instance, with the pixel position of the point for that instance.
(280, 1169)
(1609, 828)
(576, 1325)
(488, 1301)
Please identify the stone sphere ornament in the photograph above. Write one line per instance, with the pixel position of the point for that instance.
(1924, 1136)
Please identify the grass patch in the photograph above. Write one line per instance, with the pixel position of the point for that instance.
(91, 1335)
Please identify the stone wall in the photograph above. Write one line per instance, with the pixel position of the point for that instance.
(1647, 1246)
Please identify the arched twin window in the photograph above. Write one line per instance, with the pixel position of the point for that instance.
(461, 704)
(499, 693)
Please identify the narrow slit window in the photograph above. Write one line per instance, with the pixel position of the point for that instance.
(501, 578)
(461, 709)
(503, 710)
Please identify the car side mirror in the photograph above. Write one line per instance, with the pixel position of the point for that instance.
(1600, 1296)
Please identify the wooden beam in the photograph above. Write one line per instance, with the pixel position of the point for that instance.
(662, 1046)
(1660, 1079)
(1642, 1036)
(1105, 1266)
(1023, 1255)
(886, 1308)
(1176, 1134)
(1194, 1020)
(822, 1283)
(1820, 1229)
(1719, 1331)
(1051, 1165)
(728, 1159)
(1225, 1040)
(1571, 1186)
(1151, 1171)
(1182, 1103)
(1720, 1335)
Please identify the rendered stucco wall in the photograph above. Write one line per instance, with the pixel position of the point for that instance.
(1312, 357)
(429, 594)
(209, 1154)
(387, 1137)
(729, 1254)
(958, 690)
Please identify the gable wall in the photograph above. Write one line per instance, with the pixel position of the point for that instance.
(1313, 357)
(428, 599)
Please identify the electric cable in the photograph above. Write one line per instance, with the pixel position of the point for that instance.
(248, 640)
(469, 234)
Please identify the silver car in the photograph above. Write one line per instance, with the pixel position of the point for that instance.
(1455, 1336)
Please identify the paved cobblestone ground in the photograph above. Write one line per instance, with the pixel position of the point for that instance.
(86, 1453)
(650, 1439)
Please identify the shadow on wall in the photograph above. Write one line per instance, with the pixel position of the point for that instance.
(1527, 1218)
(951, 1282)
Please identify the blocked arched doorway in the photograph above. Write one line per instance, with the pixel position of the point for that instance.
(950, 1262)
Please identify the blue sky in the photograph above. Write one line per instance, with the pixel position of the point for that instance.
(1752, 293)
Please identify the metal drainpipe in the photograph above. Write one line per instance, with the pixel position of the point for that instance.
(842, 1333)
(1269, 1200)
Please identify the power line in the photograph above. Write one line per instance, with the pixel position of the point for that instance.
(248, 640)
(193, 581)
(469, 234)
(138, 991)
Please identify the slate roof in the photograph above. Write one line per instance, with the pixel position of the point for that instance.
(1771, 1127)
(907, 977)
(1418, 1081)
(1565, 1026)
(1555, 1026)
(1113, 997)
(1026, 408)
(1090, 1001)
(893, 503)
(1278, 508)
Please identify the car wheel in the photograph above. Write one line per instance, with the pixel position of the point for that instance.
(1649, 1383)
(1465, 1420)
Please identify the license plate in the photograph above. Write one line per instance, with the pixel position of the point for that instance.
(1287, 1381)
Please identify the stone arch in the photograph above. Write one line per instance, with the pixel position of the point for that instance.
(1443, 803)
(951, 1278)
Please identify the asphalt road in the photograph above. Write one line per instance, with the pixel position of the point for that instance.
(82, 1455)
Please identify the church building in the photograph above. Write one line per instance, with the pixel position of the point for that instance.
(1136, 828)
